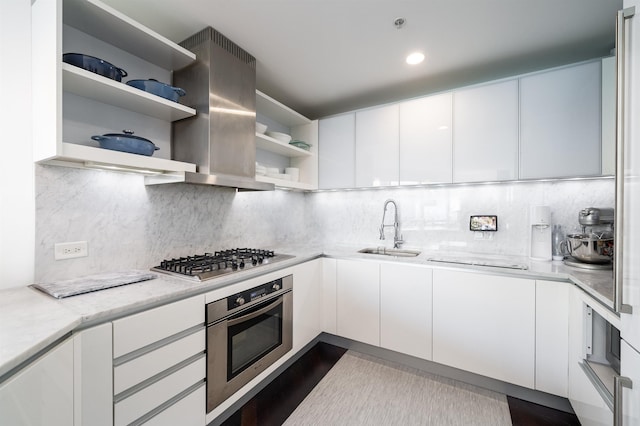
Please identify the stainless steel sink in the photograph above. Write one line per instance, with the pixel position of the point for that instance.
(390, 252)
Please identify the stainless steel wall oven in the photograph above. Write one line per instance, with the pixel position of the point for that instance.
(246, 333)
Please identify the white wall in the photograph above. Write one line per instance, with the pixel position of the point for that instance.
(17, 195)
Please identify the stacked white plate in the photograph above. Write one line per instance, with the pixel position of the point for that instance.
(261, 128)
(293, 173)
(282, 137)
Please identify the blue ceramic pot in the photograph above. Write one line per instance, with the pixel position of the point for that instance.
(95, 65)
(158, 88)
(126, 142)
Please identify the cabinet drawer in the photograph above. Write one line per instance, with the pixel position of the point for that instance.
(189, 411)
(140, 403)
(137, 331)
(139, 369)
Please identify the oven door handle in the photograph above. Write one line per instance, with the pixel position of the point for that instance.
(237, 320)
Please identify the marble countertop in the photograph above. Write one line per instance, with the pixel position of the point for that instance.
(30, 320)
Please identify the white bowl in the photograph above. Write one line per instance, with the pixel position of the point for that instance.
(261, 128)
(294, 172)
(282, 137)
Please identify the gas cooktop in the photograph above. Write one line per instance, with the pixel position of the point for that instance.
(207, 266)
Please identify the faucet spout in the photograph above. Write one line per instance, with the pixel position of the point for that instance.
(397, 238)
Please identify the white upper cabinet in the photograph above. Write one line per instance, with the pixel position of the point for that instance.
(560, 122)
(425, 140)
(609, 116)
(377, 147)
(337, 156)
(485, 135)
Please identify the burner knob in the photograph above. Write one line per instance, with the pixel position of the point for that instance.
(254, 260)
(241, 264)
(234, 266)
(275, 287)
(240, 301)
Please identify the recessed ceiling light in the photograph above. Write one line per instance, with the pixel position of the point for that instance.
(415, 58)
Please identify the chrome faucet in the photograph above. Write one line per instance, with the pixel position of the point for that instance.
(397, 238)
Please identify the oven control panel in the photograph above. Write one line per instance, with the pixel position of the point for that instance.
(254, 293)
(246, 299)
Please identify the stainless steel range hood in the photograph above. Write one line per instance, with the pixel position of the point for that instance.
(220, 138)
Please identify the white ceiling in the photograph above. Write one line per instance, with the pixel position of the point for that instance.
(323, 57)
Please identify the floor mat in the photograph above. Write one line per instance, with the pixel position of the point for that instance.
(363, 390)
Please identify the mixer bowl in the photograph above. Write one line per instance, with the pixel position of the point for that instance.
(589, 248)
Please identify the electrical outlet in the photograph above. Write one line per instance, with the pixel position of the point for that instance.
(70, 250)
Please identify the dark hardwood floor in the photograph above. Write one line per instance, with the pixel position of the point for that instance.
(524, 413)
(278, 399)
(272, 405)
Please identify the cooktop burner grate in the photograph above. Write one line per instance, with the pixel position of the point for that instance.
(206, 266)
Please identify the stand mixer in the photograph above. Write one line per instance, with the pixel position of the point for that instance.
(593, 247)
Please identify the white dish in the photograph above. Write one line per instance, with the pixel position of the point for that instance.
(293, 172)
(261, 128)
(282, 137)
(280, 176)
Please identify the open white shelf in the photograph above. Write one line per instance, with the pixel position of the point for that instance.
(90, 85)
(276, 111)
(105, 23)
(92, 157)
(285, 183)
(268, 143)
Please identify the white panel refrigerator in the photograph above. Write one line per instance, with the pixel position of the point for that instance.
(627, 259)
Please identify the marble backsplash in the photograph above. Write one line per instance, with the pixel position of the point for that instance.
(437, 218)
(132, 226)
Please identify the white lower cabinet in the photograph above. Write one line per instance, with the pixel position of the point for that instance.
(485, 324)
(136, 331)
(552, 337)
(405, 309)
(144, 401)
(93, 376)
(358, 301)
(42, 393)
(586, 401)
(329, 292)
(159, 365)
(630, 368)
(186, 412)
(306, 309)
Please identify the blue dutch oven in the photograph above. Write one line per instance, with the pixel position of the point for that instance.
(96, 65)
(158, 88)
(126, 142)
